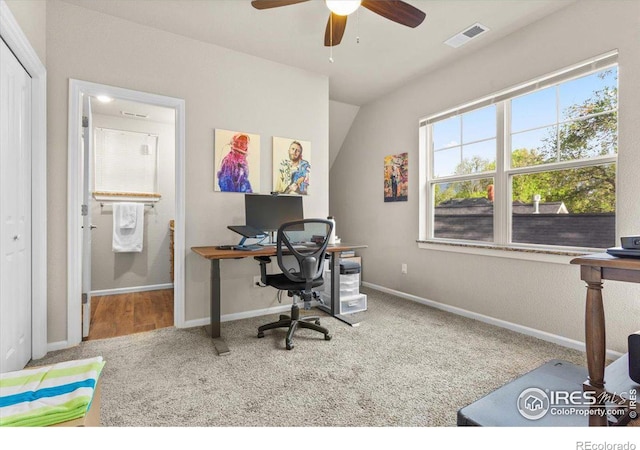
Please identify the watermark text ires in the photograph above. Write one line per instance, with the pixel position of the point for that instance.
(535, 403)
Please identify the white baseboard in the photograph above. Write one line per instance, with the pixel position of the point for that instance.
(560, 340)
(128, 290)
(54, 346)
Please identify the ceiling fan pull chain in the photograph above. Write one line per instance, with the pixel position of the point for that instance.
(358, 26)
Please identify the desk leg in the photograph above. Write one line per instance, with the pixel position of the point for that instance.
(595, 348)
(214, 329)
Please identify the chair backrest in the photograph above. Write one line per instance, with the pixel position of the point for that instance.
(307, 241)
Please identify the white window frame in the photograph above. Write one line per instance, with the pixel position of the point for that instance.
(503, 173)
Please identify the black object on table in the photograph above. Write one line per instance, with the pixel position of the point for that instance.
(500, 408)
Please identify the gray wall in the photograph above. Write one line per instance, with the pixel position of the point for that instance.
(540, 295)
(150, 267)
(341, 117)
(222, 89)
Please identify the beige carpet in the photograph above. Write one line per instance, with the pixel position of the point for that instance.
(405, 365)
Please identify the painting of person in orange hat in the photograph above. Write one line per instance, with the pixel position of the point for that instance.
(233, 173)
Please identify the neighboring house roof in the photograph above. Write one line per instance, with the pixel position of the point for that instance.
(465, 206)
(481, 206)
(573, 230)
(543, 208)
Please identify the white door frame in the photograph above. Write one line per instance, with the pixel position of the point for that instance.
(74, 200)
(87, 230)
(19, 44)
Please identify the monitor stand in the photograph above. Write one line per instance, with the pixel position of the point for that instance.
(248, 247)
(272, 240)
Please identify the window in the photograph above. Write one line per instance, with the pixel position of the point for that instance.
(125, 162)
(534, 166)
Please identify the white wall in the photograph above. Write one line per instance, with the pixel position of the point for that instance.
(222, 89)
(152, 266)
(32, 17)
(543, 296)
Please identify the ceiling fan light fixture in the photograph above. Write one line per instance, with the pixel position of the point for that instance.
(343, 7)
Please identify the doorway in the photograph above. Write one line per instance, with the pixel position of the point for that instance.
(103, 272)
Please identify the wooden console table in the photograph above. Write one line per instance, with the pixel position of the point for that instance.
(594, 269)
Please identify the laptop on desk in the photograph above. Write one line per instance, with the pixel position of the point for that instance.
(247, 232)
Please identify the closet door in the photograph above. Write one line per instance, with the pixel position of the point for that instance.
(15, 213)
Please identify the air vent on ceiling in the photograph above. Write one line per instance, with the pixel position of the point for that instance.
(134, 115)
(465, 36)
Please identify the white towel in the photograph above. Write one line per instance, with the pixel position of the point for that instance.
(127, 212)
(128, 239)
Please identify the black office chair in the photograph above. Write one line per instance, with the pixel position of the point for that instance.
(300, 281)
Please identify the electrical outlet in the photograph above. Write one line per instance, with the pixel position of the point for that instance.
(257, 282)
(404, 268)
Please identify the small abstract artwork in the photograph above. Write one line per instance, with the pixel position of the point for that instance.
(291, 167)
(236, 161)
(396, 177)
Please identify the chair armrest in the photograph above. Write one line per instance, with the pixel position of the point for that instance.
(263, 261)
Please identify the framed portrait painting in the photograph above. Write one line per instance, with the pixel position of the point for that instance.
(236, 161)
(291, 167)
(396, 180)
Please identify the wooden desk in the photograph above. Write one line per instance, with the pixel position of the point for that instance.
(594, 269)
(215, 255)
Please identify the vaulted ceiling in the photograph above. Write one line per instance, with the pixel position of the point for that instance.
(387, 55)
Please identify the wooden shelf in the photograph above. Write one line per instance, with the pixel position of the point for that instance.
(127, 196)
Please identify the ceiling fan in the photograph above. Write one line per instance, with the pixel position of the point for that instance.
(395, 10)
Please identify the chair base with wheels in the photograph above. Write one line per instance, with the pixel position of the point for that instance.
(294, 322)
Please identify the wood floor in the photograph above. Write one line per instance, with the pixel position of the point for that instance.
(119, 315)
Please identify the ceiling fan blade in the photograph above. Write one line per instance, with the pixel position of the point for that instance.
(335, 29)
(398, 11)
(266, 4)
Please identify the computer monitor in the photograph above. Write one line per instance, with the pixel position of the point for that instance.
(268, 212)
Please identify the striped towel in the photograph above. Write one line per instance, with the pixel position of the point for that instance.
(48, 395)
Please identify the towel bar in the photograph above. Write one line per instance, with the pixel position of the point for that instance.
(153, 205)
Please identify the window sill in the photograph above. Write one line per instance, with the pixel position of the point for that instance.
(522, 253)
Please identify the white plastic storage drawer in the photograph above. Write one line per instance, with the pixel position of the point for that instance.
(348, 305)
(349, 292)
(347, 283)
(352, 304)
(349, 280)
